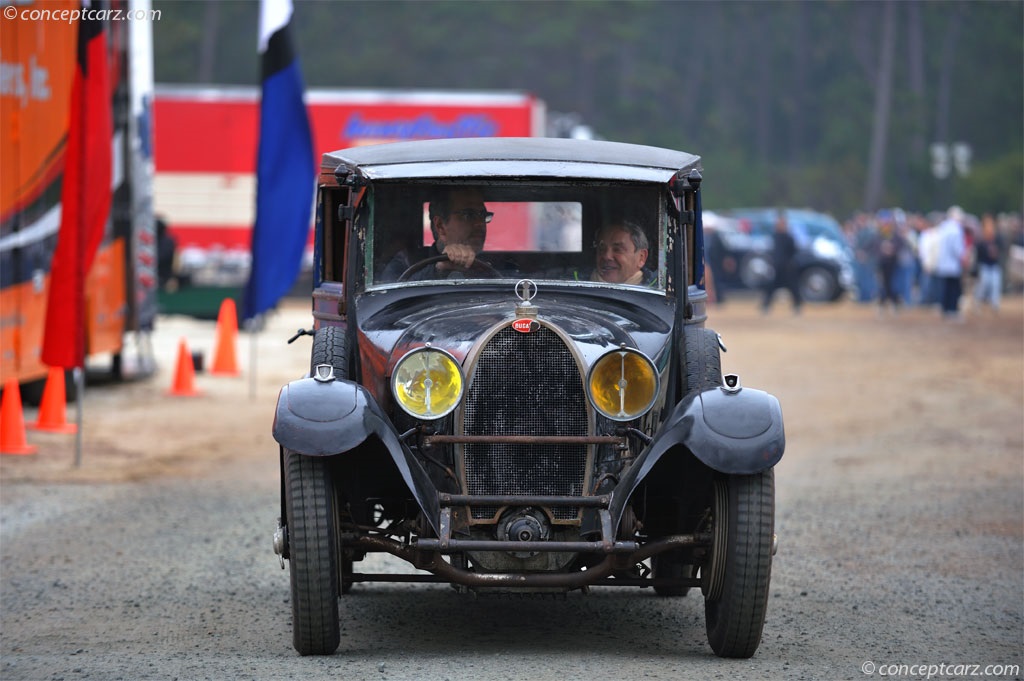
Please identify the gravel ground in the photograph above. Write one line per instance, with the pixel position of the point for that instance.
(900, 519)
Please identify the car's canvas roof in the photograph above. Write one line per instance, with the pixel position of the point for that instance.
(498, 157)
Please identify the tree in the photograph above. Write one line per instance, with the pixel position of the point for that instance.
(831, 105)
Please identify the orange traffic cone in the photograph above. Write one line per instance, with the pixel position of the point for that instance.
(224, 359)
(184, 373)
(12, 422)
(54, 405)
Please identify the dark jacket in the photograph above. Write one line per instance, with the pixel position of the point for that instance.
(783, 250)
(404, 259)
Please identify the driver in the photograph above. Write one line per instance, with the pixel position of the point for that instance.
(458, 221)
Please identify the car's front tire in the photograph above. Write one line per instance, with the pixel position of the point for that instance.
(313, 553)
(330, 346)
(736, 594)
(703, 360)
(819, 284)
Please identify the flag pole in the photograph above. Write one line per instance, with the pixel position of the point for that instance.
(79, 375)
(254, 328)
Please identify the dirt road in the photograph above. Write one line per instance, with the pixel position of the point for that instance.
(900, 518)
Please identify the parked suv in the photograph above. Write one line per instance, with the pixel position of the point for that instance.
(500, 416)
(824, 259)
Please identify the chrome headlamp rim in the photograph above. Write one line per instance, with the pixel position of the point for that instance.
(393, 382)
(621, 417)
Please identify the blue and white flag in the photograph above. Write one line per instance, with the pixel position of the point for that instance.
(285, 170)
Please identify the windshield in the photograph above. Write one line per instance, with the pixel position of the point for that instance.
(819, 225)
(805, 225)
(586, 233)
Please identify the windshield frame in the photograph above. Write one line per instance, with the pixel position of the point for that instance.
(601, 202)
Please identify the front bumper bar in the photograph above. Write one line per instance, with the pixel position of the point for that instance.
(599, 574)
(620, 555)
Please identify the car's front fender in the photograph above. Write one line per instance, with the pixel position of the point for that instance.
(325, 418)
(320, 419)
(737, 431)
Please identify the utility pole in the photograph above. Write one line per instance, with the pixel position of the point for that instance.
(883, 109)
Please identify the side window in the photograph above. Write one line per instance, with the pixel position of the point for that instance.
(397, 236)
(334, 219)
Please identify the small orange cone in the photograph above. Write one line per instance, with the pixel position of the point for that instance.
(224, 358)
(12, 422)
(54, 405)
(184, 373)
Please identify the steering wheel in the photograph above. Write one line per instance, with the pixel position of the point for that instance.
(477, 264)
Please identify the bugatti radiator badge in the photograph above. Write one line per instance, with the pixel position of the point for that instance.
(525, 325)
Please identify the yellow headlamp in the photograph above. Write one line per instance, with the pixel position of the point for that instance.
(623, 384)
(427, 383)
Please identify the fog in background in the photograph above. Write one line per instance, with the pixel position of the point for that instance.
(832, 105)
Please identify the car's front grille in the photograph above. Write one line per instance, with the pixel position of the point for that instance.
(525, 384)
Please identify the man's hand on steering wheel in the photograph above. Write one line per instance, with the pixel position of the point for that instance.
(460, 257)
(439, 260)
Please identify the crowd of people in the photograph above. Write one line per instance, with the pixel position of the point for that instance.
(900, 259)
(950, 260)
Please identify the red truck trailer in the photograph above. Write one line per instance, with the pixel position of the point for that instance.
(205, 158)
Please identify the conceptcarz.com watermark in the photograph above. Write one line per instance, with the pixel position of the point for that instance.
(941, 670)
(69, 15)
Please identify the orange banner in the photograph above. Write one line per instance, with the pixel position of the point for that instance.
(37, 65)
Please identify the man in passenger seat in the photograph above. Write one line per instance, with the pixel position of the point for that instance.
(621, 252)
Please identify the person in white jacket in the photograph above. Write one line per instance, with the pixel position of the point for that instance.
(951, 247)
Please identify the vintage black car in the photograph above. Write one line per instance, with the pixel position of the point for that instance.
(510, 421)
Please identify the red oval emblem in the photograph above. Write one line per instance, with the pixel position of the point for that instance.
(524, 325)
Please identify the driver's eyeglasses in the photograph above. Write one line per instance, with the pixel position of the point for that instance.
(470, 215)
